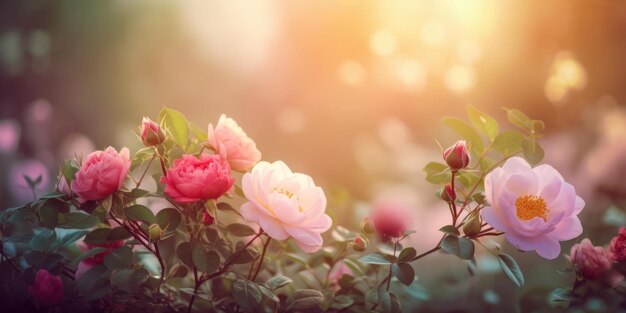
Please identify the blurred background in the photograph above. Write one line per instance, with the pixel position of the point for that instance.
(351, 92)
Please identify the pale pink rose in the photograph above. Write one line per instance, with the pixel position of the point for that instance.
(47, 289)
(389, 219)
(335, 274)
(286, 204)
(192, 179)
(86, 264)
(151, 134)
(102, 174)
(64, 187)
(591, 262)
(233, 144)
(618, 246)
(535, 207)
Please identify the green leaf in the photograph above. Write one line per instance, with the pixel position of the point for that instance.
(375, 259)
(48, 216)
(87, 254)
(560, 295)
(240, 230)
(176, 124)
(183, 252)
(483, 122)
(66, 238)
(342, 234)
(223, 206)
(461, 247)
(119, 258)
(130, 280)
(205, 261)
(278, 281)
(519, 119)
(98, 236)
(407, 255)
(43, 240)
(404, 272)
(532, 151)
(384, 299)
(268, 293)
(94, 279)
(304, 299)
(437, 173)
(118, 233)
(511, 269)
(450, 230)
(246, 293)
(141, 213)
(53, 195)
(341, 302)
(80, 220)
(507, 142)
(168, 219)
(138, 193)
(69, 171)
(466, 132)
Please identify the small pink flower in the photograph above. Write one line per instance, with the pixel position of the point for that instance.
(233, 144)
(457, 156)
(338, 270)
(286, 204)
(102, 174)
(389, 220)
(151, 134)
(193, 179)
(86, 264)
(618, 246)
(47, 289)
(535, 207)
(591, 262)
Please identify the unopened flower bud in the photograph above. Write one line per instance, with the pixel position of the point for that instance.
(207, 219)
(366, 226)
(448, 194)
(472, 227)
(151, 133)
(457, 156)
(154, 232)
(359, 244)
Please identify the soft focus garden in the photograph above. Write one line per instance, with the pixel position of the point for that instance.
(312, 157)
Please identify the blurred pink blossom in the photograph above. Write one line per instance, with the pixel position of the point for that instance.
(17, 183)
(9, 136)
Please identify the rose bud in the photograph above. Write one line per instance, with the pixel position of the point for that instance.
(366, 226)
(591, 262)
(47, 289)
(151, 133)
(618, 246)
(448, 194)
(64, 187)
(359, 244)
(154, 232)
(389, 220)
(457, 156)
(207, 219)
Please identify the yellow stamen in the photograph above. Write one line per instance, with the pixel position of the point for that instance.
(529, 207)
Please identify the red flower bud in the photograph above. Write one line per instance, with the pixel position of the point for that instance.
(457, 156)
(389, 220)
(151, 133)
(448, 194)
(207, 219)
(359, 244)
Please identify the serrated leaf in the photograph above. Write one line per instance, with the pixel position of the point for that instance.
(466, 132)
(141, 213)
(483, 122)
(404, 272)
(246, 293)
(407, 254)
(375, 258)
(119, 258)
(511, 269)
(176, 124)
(278, 281)
(304, 299)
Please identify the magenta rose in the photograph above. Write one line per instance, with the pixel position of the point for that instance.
(618, 246)
(389, 220)
(192, 179)
(591, 262)
(47, 289)
(102, 174)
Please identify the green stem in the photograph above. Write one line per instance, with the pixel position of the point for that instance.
(145, 171)
(258, 268)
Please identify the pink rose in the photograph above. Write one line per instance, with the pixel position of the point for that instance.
(233, 144)
(286, 204)
(389, 220)
(335, 274)
(86, 264)
(618, 246)
(591, 262)
(151, 134)
(535, 207)
(102, 174)
(193, 179)
(47, 289)
(457, 157)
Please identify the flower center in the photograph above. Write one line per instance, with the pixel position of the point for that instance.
(287, 193)
(529, 207)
